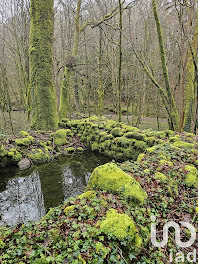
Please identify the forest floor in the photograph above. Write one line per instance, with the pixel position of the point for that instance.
(20, 122)
(91, 228)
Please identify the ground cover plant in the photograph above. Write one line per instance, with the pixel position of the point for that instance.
(110, 223)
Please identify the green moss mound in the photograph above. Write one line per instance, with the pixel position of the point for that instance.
(110, 178)
(61, 137)
(115, 140)
(39, 156)
(120, 227)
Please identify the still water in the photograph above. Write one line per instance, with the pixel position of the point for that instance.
(28, 195)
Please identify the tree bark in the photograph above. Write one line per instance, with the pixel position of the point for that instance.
(41, 65)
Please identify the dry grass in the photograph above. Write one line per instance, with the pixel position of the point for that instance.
(146, 122)
(19, 122)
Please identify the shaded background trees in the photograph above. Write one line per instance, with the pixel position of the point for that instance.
(94, 84)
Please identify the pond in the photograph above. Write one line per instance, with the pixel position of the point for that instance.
(28, 195)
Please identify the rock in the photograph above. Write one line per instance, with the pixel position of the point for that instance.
(24, 164)
(111, 178)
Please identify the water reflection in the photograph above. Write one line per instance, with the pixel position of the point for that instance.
(26, 196)
(72, 185)
(22, 200)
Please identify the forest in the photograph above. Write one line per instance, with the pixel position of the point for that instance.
(98, 131)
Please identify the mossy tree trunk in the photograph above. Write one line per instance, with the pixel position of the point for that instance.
(100, 81)
(41, 65)
(120, 64)
(70, 78)
(173, 111)
(195, 61)
(191, 88)
(189, 94)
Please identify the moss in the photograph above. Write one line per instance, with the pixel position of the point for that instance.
(65, 94)
(42, 86)
(105, 136)
(163, 157)
(191, 176)
(134, 135)
(94, 119)
(117, 132)
(95, 146)
(119, 226)
(161, 134)
(15, 155)
(110, 178)
(165, 162)
(24, 134)
(140, 157)
(109, 153)
(87, 195)
(3, 152)
(151, 149)
(38, 156)
(61, 136)
(140, 145)
(80, 149)
(119, 156)
(104, 145)
(48, 148)
(123, 142)
(169, 133)
(94, 126)
(149, 140)
(160, 176)
(70, 150)
(182, 144)
(25, 142)
(131, 129)
(69, 209)
(110, 124)
(175, 138)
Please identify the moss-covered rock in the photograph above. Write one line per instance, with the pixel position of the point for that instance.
(61, 137)
(110, 178)
(15, 156)
(191, 176)
(3, 152)
(87, 195)
(70, 150)
(117, 132)
(24, 134)
(120, 227)
(24, 142)
(39, 156)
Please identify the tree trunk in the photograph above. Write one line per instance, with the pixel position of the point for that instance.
(191, 88)
(70, 81)
(173, 111)
(120, 65)
(100, 82)
(41, 65)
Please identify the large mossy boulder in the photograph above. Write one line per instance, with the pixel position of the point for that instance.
(110, 178)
